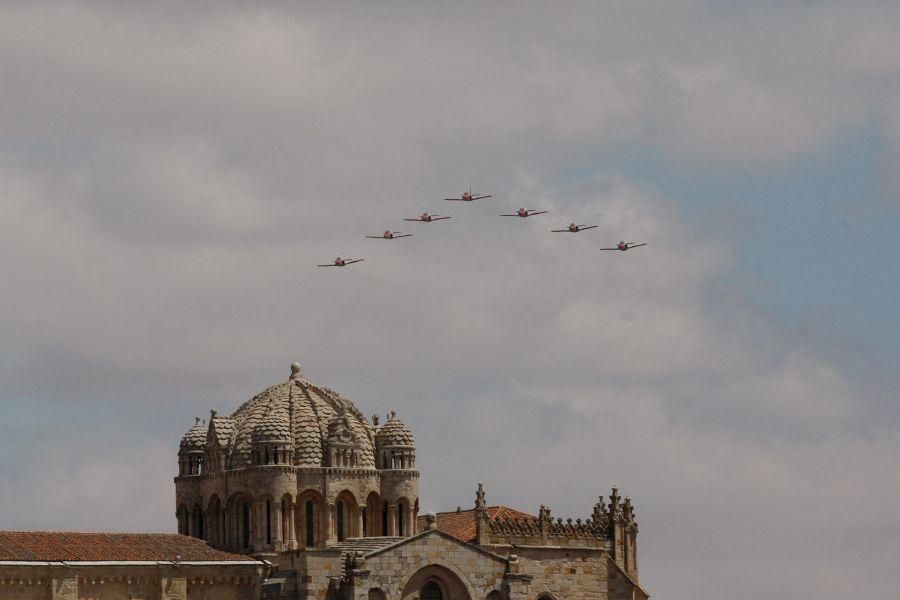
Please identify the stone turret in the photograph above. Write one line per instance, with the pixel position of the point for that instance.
(190, 450)
(623, 531)
(394, 445)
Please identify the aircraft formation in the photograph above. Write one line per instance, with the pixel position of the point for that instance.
(468, 196)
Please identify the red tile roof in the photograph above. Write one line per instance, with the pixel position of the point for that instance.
(461, 524)
(76, 546)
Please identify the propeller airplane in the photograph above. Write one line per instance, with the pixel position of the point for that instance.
(389, 235)
(468, 197)
(573, 228)
(342, 262)
(524, 212)
(427, 218)
(623, 246)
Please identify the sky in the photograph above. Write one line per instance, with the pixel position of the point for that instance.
(171, 174)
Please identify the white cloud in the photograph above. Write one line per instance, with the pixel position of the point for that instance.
(171, 176)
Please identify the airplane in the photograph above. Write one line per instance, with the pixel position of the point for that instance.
(342, 262)
(389, 235)
(524, 212)
(468, 197)
(624, 246)
(573, 228)
(426, 218)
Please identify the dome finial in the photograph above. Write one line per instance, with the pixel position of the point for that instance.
(295, 371)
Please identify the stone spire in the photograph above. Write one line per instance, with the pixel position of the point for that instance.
(481, 519)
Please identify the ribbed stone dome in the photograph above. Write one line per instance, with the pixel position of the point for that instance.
(301, 411)
(394, 433)
(276, 426)
(195, 438)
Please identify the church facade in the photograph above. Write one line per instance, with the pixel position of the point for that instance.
(298, 477)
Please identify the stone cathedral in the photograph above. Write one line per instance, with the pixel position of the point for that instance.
(298, 477)
(297, 496)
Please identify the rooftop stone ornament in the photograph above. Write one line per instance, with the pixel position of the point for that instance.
(295, 371)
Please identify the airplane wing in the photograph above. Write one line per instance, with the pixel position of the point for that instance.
(481, 197)
(439, 218)
(377, 237)
(537, 212)
(561, 231)
(353, 260)
(328, 265)
(404, 235)
(509, 215)
(412, 219)
(638, 245)
(609, 248)
(456, 199)
(583, 227)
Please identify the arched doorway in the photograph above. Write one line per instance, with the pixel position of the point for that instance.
(435, 582)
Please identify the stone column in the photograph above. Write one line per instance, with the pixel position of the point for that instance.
(190, 522)
(259, 533)
(392, 520)
(328, 534)
(292, 531)
(276, 525)
(360, 511)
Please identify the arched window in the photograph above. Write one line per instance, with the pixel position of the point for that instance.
(365, 524)
(400, 519)
(431, 591)
(310, 524)
(245, 525)
(384, 520)
(339, 510)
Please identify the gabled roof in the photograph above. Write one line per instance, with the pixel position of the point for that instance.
(53, 546)
(461, 524)
(441, 534)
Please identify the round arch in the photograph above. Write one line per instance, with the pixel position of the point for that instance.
(215, 521)
(439, 579)
(406, 522)
(373, 516)
(347, 519)
(309, 521)
(239, 522)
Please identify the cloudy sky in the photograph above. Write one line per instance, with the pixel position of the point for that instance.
(170, 177)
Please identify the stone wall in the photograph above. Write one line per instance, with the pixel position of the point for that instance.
(399, 571)
(42, 581)
(564, 572)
